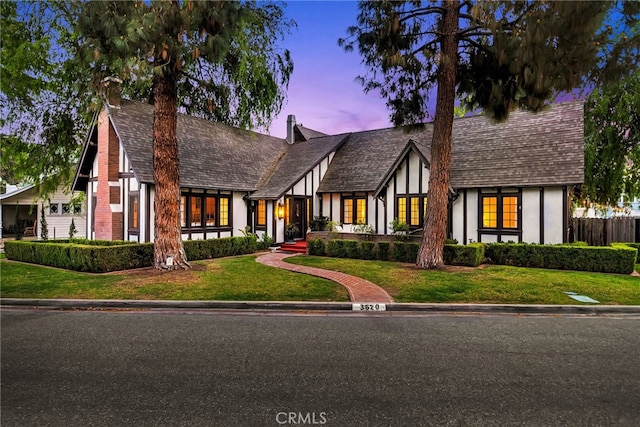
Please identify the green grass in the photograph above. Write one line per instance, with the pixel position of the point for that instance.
(230, 279)
(491, 284)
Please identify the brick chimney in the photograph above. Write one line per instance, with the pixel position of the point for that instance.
(108, 219)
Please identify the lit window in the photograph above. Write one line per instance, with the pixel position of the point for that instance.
(210, 211)
(415, 211)
(490, 212)
(261, 213)
(361, 211)
(510, 212)
(348, 211)
(402, 209)
(224, 211)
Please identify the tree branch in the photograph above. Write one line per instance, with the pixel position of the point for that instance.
(422, 11)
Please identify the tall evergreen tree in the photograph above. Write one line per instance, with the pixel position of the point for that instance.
(218, 60)
(494, 56)
(612, 142)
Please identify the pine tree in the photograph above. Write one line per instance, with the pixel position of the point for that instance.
(217, 60)
(494, 56)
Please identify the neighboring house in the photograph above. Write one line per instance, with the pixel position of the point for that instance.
(20, 207)
(509, 181)
(624, 208)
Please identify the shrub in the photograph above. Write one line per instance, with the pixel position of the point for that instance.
(99, 256)
(94, 258)
(470, 255)
(635, 246)
(352, 248)
(615, 259)
(319, 223)
(316, 247)
(383, 251)
(368, 250)
(405, 251)
(336, 248)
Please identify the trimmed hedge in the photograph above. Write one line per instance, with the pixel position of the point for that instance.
(93, 258)
(316, 247)
(99, 256)
(631, 245)
(610, 259)
(619, 258)
(471, 255)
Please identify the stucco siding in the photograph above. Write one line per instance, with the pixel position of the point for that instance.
(531, 215)
(553, 221)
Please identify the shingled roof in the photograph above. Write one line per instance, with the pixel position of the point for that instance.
(305, 134)
(297, 160)
(367, 157)
(528, 150)
(212, 155)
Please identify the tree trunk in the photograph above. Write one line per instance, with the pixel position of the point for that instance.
(435, 228)
(168, 250)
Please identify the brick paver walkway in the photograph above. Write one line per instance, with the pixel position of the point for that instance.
(360, 290)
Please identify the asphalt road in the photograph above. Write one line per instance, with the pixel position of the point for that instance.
(80, 368)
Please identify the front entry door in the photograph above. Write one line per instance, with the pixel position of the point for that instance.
(297, 216)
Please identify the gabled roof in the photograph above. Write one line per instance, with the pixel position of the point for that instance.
(212, 155)
(16, 192)
(297, 161)
(304, 134)
(366, 158)
(527, 150)
(423, 152)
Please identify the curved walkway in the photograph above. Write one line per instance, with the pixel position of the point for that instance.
(360, 290)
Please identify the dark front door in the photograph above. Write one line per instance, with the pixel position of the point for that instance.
(297, 216)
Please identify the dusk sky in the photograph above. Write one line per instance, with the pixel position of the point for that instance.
(323, 93)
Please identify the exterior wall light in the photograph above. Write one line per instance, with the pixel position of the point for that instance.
(280, 211)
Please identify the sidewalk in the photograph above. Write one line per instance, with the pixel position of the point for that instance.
(360, 290)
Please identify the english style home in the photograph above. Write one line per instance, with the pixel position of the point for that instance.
(509, 181)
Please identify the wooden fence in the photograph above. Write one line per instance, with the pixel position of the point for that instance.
(602, 232)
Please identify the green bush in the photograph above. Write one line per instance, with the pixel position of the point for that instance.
(316, 247)
(336, 248)
(383, 251)
(94, 258)
(352, 248)
(631, 245)
(470, 255)
(368, 250)
(405, 251)
(98, 256)
(615, 259)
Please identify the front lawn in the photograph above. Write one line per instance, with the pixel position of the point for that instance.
(225, 279)
(490, 284)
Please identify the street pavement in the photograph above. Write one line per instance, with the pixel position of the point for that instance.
(150, 368)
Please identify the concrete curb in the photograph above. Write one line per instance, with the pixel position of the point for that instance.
(593, 310)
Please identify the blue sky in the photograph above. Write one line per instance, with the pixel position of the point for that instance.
(323, 93)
